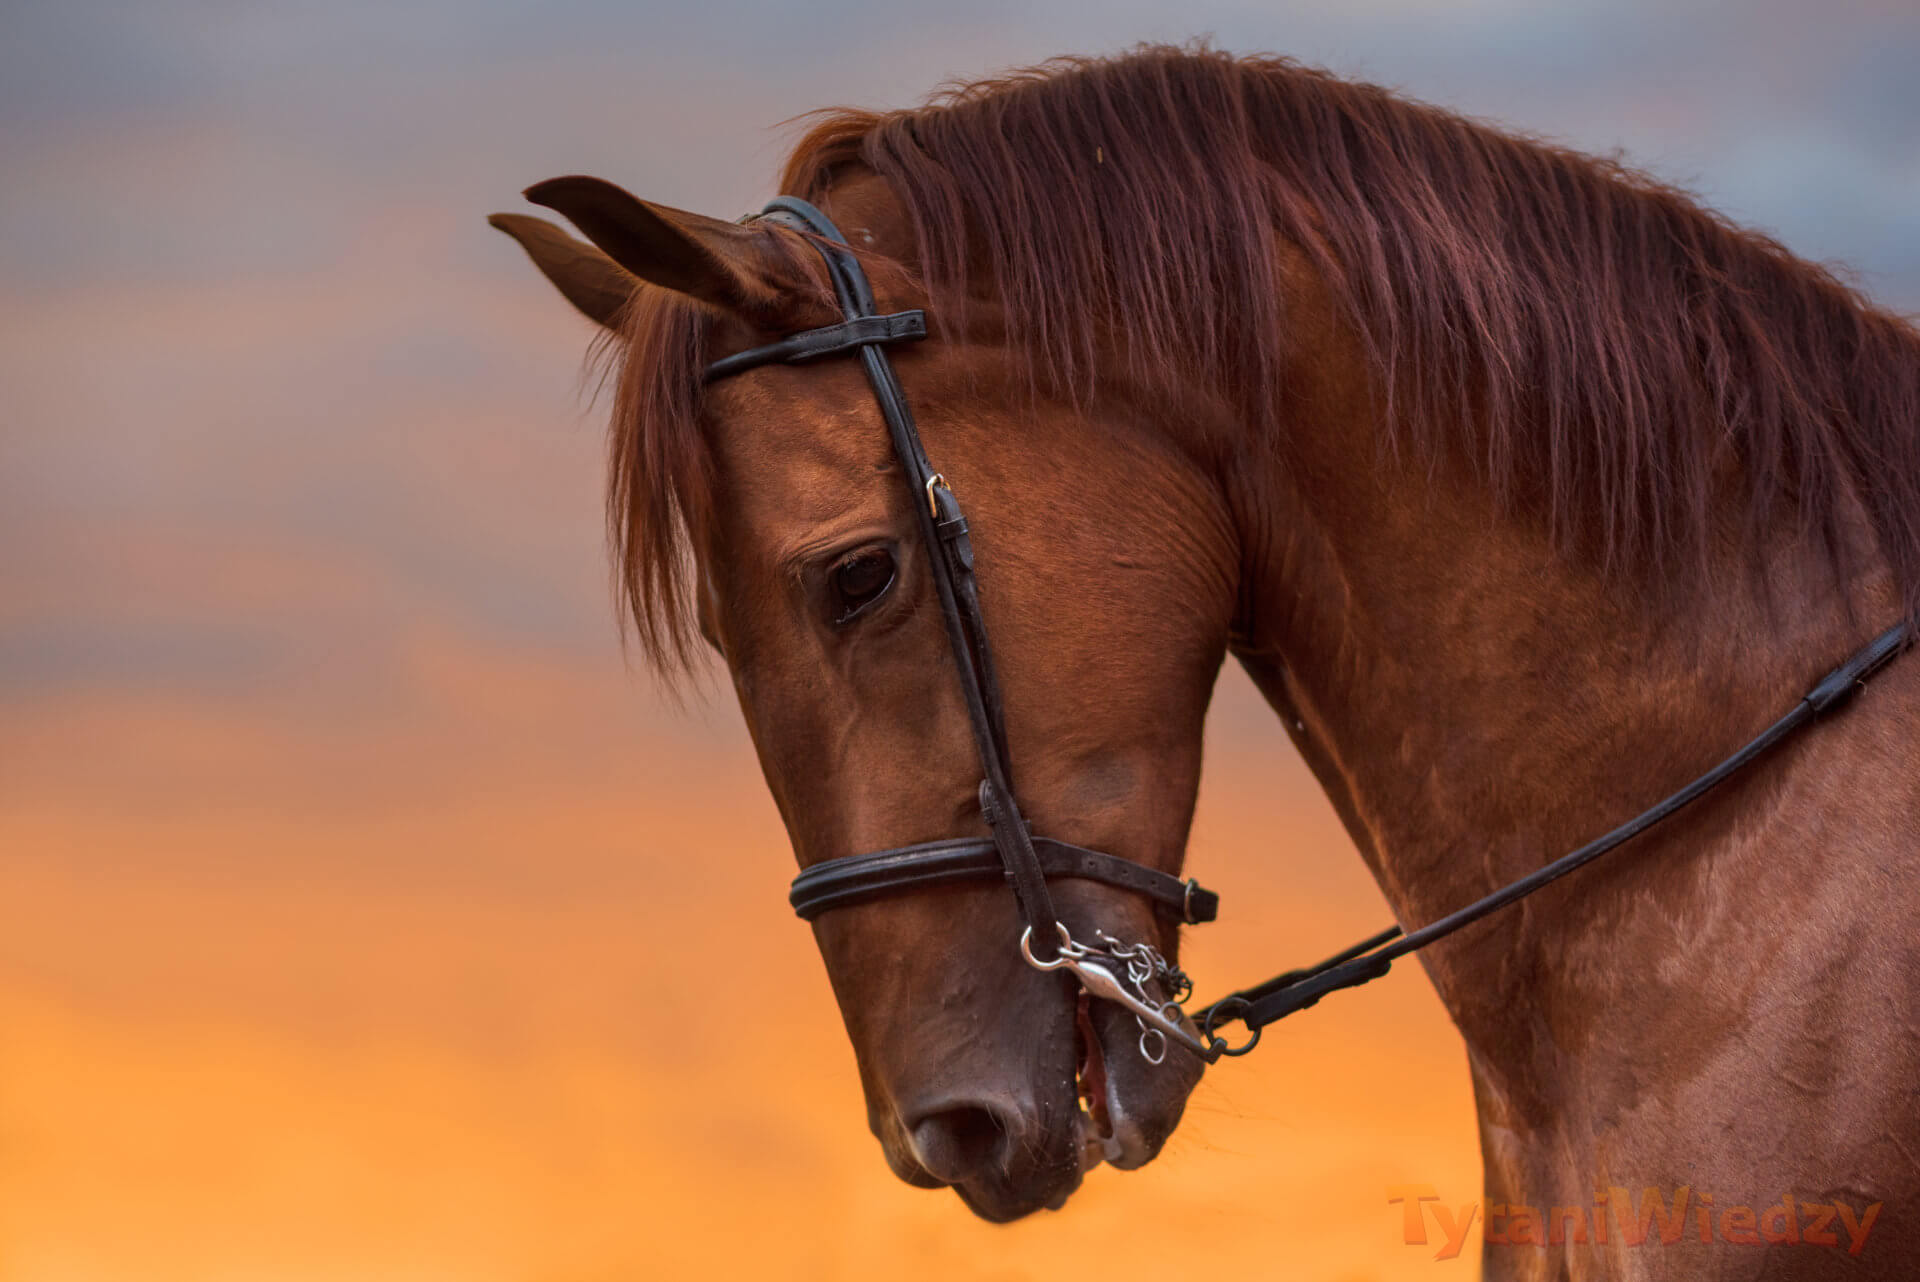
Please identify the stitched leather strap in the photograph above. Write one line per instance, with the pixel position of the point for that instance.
(943, 531)
(828, 340)
(1013, 853)
(838, 883)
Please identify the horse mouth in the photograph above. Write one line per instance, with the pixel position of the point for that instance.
(1104, 1129)
(1122, 1108)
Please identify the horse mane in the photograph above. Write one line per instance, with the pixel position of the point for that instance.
(1598, 345)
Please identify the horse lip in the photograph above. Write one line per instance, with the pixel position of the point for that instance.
(1001, 1206)
(1122, 1143)
(1127, 1148)
(1092, 1083)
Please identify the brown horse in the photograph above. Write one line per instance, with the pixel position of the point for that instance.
(1524, 488)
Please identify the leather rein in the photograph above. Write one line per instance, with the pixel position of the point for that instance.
(1106, 967)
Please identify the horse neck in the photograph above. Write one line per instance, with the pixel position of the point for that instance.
(1475, 702)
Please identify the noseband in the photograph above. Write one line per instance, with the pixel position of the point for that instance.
(1109, 968)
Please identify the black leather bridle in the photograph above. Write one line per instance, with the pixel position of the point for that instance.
(1109, 968)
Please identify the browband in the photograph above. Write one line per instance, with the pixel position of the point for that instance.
(811, 344)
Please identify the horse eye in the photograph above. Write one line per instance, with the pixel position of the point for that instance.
(859, 581)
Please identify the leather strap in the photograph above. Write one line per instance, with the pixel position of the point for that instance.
(855, 879)
(1371, 958)
(943, 529)
(828, 340)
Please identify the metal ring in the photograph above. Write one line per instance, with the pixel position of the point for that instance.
(1059, 958)
(1186, 902)
(1236, 1051)
(1225, 1009)
(940, 480)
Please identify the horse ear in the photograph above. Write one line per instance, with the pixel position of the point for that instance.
(587, 278)
(722, 264)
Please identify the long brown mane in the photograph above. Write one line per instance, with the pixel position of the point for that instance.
(1600, 346)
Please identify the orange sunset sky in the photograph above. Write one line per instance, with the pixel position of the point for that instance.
(363, 914)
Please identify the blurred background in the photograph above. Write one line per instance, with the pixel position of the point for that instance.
(362, 912)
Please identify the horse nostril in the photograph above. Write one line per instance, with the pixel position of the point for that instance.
(955, 1144)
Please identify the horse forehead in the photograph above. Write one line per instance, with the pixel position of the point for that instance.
(803, 446)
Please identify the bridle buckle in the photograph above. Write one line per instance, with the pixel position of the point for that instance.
(933, 504)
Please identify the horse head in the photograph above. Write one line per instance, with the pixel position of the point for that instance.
(1107, 580)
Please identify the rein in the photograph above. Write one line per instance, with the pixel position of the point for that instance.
(1109, 968)
(1369, 959)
